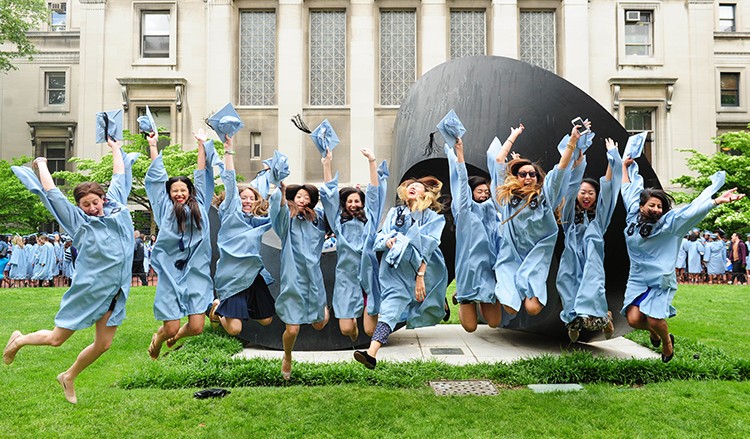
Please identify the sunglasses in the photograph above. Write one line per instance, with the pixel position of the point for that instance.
(524, 174)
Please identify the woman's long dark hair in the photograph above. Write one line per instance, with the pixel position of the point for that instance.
(343, 196)
(307, 212)
(191, 203)
(665, 198)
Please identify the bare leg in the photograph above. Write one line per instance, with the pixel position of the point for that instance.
(467, 314)
(44, 337)
(289, 338)
(322, 324)
(638, 320)
(369, 322)
(102, 341)
(374, 348)
(510, 310)
(168, 330)
(661, 328)
(533, 306)
(349, 328)
(231, 325)
(193, 326)
(492, 314)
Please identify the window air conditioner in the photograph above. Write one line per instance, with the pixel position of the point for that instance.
(632, 16)
(60, 8)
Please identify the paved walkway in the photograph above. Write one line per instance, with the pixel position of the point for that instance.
(453, 345)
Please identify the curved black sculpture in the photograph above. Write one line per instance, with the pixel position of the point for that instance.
(489, 95)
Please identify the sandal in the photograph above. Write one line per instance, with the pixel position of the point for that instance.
(212, 317)
(9, 354)
(668, 358)
(287, 375)
(355, 335)
(171, 342)
(609, 330)
(153, 348)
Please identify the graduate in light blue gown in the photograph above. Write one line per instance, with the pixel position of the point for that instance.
(585, 217)
(715, 257)
(477, 241)
(302, 296)
(682, 261)
(413, 276)
(354, 218)
(653, 236)
(45, 262)
(30, 251)
(102, 229)
(694, 250)
(241, 281)
(182, 255)
(527, 202)
(18, 263)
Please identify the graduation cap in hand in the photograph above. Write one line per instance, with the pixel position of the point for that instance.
(451, 128)
(225, 122)
(324, 137)
(108, 125)
(146, 123)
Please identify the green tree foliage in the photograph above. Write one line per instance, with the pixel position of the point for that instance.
(734, 158)
(21, 211)
(16, 18)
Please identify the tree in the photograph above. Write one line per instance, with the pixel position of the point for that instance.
(21, 211)
(176, 162)
(16, 18)
(734, 158)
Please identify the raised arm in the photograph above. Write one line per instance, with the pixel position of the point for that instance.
(228, 154)
(568, 153)
(626, 162)
(201, 138)
(374, 181)
(610, 145)
(118, 164)
(152, 147)
(44, 175)
(326, 161)
(505, 150)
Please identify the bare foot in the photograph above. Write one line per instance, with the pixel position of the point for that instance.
(171, 342)
(9, 354)
(154, 348)
(355, 334)
(68, 388)
(286, 368)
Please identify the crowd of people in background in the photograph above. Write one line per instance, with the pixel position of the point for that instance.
(713, 258)
(49, 260)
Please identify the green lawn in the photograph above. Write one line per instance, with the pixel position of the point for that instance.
(32, 404)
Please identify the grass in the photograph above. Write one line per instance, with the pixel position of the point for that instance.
(341, 399)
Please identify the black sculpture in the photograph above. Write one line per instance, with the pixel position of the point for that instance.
(489, 94)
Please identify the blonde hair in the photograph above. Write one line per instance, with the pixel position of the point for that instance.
(18, 241)
(514, 186)
(429, 200)
(261, 206)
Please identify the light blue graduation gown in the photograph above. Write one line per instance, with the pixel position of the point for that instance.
(695, 252)
(239, 242)
(477, 237)
(105, 250)
(527, 241)
(715, 257)
(189, 291)
(19, 264)
(302, 294)
(354, 249)
(59, 256)
(417, 240)
(682, 254)
(30, 253)
(580, 277)
(45, 262)
(653, 259)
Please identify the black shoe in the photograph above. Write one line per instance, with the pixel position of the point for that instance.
(454, 300)
(655, 342)
(447, 315)
(365, 358)
(668, 358)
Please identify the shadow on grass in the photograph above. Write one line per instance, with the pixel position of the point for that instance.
(206, 361)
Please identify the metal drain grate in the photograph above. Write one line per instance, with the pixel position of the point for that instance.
(465, 387)
(446, 351)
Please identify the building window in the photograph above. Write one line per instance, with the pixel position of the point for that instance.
(537, 46)
(58, 16)
(163, 119)
(155, 29)
(727, 18)
(730, 89)
(468, 33)
(54, 88)
(56, 153)
(639, 119)
(257, 58)
(327, 57)
(639, 33)
(255, 147)
(398, 55)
